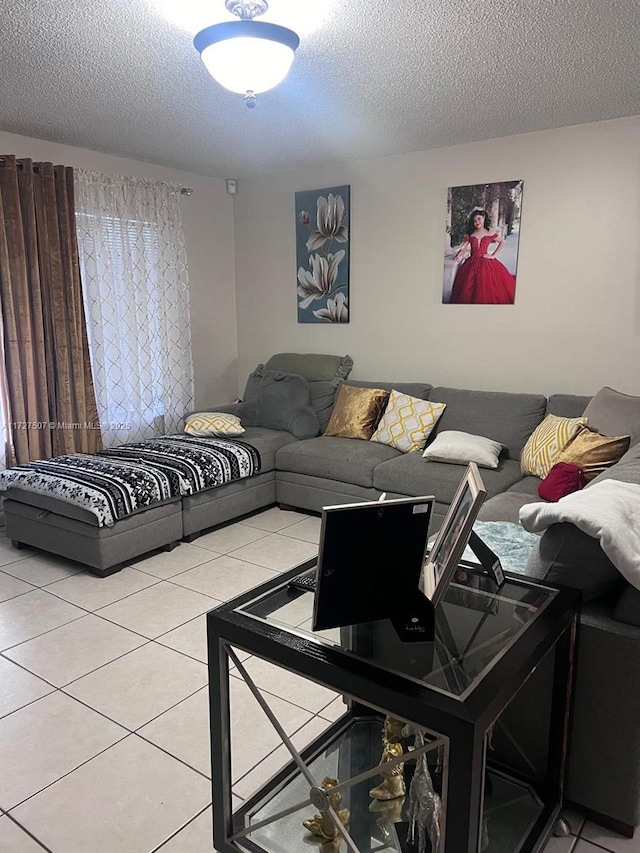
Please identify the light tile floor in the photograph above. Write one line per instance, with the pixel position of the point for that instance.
(104, 740)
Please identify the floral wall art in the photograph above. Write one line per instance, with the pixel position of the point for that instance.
(481, 243)
(322, 255)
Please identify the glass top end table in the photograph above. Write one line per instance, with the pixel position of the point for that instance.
(498, 661)
(473, 628)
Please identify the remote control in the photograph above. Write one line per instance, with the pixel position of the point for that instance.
(305, 582)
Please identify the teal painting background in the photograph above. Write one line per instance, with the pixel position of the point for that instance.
(307, 202)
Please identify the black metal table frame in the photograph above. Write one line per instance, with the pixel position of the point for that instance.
(553, 631)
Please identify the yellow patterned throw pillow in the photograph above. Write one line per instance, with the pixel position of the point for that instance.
(407, 422)
(213, 423)
(547, 442)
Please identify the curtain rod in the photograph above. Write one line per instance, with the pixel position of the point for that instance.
(183, 190)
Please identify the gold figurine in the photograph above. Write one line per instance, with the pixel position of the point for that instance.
(387, 814)
(392, 784)
(323, 824)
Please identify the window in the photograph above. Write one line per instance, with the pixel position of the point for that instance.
(135, 286)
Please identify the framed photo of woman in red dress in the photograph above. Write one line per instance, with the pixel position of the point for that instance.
(481, 245)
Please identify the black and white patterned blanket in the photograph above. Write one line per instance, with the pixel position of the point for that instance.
(115, 483)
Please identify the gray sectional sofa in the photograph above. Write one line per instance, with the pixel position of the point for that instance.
(604, 768)
(309, 473)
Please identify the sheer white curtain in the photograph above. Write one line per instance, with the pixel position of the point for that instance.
(135, 283)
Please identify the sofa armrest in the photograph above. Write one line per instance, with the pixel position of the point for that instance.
(628, 607)
(565, 556)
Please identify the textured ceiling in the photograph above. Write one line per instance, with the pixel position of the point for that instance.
(369, 79)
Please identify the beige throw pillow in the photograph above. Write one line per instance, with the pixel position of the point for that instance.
(213, 423)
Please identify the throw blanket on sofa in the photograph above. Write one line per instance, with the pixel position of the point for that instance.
(199, 463)
(117, 482)
(608, 511)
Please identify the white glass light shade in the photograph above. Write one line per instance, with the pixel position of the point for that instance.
(247, 56)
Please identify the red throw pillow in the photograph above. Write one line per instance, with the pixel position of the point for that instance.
(561, 480)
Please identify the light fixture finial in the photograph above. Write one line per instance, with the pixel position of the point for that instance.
(247, 10)
(247, 56)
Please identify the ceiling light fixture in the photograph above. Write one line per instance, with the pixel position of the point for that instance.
(247, 56)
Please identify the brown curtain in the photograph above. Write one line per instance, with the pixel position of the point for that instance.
(50, 387)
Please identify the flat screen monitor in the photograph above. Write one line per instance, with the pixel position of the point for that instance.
(449, 545)
(370, 559)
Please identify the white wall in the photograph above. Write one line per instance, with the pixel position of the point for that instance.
(208, 225)
(575, 325)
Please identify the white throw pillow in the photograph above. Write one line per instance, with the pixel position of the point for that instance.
(460, 448)
(213, 423)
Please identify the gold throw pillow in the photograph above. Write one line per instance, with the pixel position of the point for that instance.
(357, 412)
(594, 452)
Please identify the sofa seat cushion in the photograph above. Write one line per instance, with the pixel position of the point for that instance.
(527, 486)
(267, 442)
(348, 460)
(410, 474)
(506, 505)
(499, 415)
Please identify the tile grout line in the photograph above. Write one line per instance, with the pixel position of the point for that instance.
(69, 772)
(28, 832)
(146, 640)
(184, 826)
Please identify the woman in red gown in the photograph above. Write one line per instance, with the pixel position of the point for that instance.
(481, 279)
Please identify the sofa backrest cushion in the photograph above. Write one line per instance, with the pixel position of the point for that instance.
(282, 401)
(324, 373)
(614, 413)
(413, 389)
(567, 405)
(315, 367)
(499, 415)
